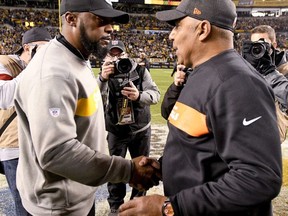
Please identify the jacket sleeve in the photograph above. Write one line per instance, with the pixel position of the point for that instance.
(7, 91)
(150, 94)
(170, 99)
(279, 84)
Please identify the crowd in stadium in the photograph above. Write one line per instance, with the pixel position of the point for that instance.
(143, 26)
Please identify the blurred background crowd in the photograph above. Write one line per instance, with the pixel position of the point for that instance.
(144, 33)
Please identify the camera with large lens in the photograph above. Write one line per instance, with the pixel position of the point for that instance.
(259, 48)
(123, 66)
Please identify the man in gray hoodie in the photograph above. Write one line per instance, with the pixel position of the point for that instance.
(63, 150)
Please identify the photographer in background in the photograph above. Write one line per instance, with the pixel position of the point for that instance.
(128, 90)
(262, 54)
(143, 61)
(278, 57)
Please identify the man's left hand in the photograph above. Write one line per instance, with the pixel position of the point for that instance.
(143, 206)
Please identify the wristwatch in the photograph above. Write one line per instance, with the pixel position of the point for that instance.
(167, 209)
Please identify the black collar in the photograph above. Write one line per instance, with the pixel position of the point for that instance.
(69, 46)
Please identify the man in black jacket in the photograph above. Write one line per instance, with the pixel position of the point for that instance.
(223, 154)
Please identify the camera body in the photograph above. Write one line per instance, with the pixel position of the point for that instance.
(259, 48)
(123, 70)
(123, 66)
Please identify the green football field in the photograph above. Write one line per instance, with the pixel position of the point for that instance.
(162, 77)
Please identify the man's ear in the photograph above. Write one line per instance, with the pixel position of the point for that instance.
(204, 30)
(71, 18)
(26, 48)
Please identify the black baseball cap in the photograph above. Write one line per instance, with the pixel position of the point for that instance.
(116, 44)
(221, 13)
(101, 8)
(33, 35)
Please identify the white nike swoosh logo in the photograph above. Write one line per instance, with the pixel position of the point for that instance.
(246, 123)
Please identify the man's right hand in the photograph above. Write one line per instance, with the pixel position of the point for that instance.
(145, 176)
(107, 69)
(180, 75)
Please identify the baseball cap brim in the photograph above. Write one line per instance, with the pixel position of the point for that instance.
(170, 16)
(118, 47)
(116, 44)
(116, 15)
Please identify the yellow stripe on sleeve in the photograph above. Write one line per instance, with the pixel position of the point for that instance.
(88, 106)
(188, 120)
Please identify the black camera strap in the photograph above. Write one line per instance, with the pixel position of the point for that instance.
(34, 50)
(6, 124)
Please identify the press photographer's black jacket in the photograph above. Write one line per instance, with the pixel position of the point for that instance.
(223, 155)
(149, 94)
(279, 84)
(278, 80)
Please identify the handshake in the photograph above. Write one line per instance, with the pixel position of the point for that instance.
(146, 173)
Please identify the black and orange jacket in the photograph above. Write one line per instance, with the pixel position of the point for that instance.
(222, 155)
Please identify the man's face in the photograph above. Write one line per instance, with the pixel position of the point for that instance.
(92, 46)
(114, 54)
(184, 40)
(95, 34)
